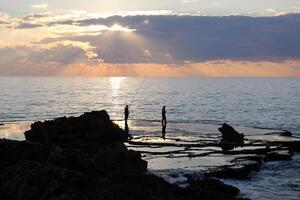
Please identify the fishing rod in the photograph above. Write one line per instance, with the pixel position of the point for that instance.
(137, 91)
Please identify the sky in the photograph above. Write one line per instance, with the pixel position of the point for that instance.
(221, 38)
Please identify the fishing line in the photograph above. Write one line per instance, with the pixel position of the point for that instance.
(137, 91)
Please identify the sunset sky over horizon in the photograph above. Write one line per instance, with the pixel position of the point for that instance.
(150, 38)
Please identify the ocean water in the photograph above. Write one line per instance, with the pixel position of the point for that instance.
(272, 103)
(277, 180)
(265, 103)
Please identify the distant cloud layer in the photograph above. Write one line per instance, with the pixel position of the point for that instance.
(40, 6)
(48, 44)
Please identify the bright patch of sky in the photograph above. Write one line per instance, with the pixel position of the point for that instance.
(205, 7)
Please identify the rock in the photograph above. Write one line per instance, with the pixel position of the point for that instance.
(85, 158)
(240, 169)
(13, 151)
(294, 146)
(1, 124)
(230, 137)
(86, 132)
(286, 134)
(116, 157)
(230, 134)
(33, 181)
(211, 188)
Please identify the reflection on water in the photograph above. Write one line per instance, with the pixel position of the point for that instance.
(252, 102)
(277, 180)
(115, 82)
(14, 130)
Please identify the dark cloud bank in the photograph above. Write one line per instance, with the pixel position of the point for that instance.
(196, 38)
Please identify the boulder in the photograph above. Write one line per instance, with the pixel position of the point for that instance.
(86, 132)
(88, 143)
(211, 188)
(230, 137)
(230, 134)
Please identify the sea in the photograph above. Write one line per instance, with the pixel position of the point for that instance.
(264, 103)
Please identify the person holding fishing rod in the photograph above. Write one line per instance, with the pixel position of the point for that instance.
(126, 113)
(126, 110)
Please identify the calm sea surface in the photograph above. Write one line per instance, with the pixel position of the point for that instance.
(254, 102)
(271, 103)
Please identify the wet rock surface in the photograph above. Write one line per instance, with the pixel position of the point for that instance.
(85, 158)
(205, 153)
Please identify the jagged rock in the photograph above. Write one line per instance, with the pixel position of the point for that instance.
(211, 188)
(86, 132)
(230, 137)
(230, 134)
(85, 158)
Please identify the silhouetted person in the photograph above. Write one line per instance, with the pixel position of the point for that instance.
(126, 112)
(164, 119)
(163, 122)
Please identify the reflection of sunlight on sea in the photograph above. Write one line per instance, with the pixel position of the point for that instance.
(199, 100)
(117, 98)
(115, 83)
(14, 130)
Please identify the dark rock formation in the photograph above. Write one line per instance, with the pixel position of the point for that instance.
(86, 132)
(85, 158)
(230, 134)
(1, 124)
(230, 137)
(286, 134)
(237, 171)
(211, 188)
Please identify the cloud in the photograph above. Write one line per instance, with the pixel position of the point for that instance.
(28, 26)
(182, 45)
(189, 1)
(40, 6)
(198, 38)
(271, 10)
(147, 53)
(218, 68)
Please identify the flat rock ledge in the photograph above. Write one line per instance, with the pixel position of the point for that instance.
(85, 158)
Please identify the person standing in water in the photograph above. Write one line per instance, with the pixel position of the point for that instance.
(164, 119)
(164, 122)
(126, 112)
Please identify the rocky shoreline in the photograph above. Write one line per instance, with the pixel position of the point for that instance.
(85, 158)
